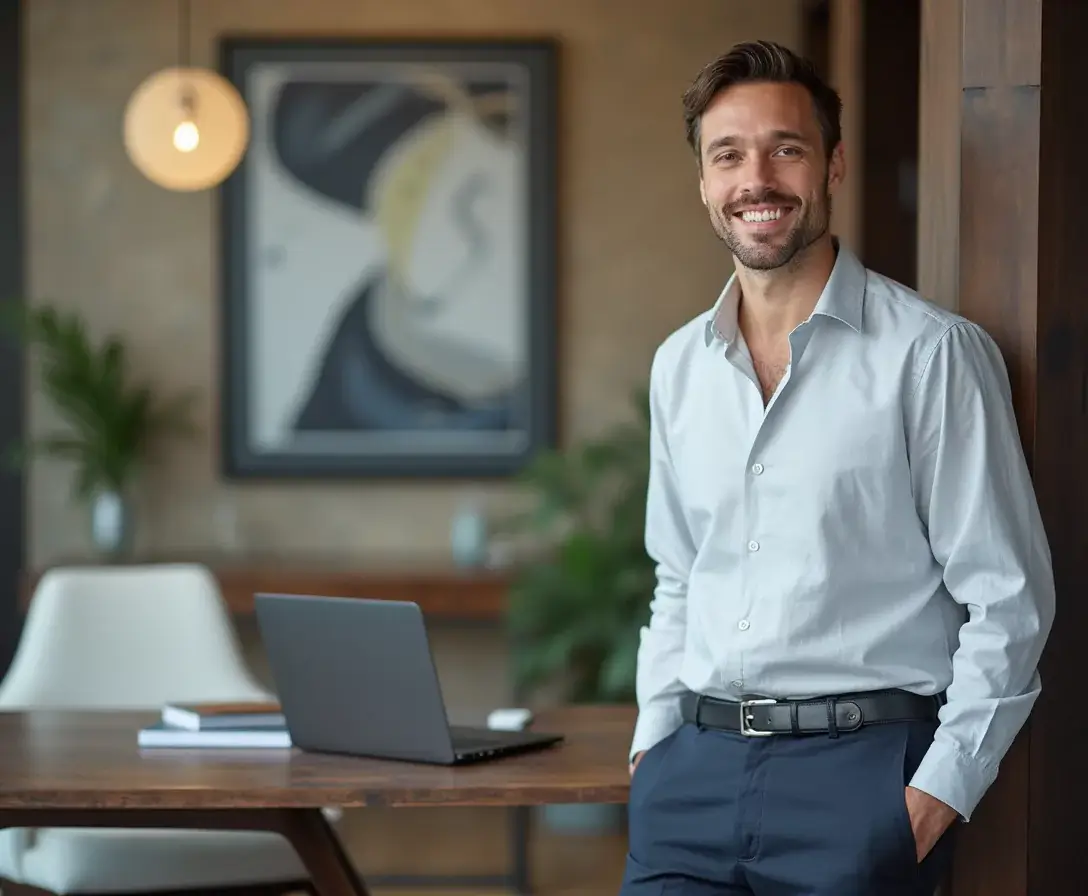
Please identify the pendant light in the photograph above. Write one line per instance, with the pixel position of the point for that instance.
(186, 128)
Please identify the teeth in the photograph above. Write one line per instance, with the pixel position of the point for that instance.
(766, 215)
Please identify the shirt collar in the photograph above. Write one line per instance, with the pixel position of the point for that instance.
(843, 298)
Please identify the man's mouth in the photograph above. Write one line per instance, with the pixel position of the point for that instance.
(764, 214)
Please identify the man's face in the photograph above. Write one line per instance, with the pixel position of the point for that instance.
(766, 180)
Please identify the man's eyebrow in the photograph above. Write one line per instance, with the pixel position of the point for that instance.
(720, 143)
(794, 136)
(732, 140)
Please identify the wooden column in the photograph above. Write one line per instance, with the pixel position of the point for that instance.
(1022, 273)
(939, 99)
(846, 76)
(12, 287)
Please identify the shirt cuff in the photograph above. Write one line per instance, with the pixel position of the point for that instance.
(654, 724)
(955, 779)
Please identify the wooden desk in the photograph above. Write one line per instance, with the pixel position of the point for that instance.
(441, 590)
(85, 769)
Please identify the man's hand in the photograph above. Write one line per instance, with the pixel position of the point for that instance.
(634, 762)
(929, 819)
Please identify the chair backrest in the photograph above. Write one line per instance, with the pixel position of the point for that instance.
(127, 637)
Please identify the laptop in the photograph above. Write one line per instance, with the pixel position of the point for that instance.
(356, 676)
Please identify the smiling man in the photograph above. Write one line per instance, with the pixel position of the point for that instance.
(853, 582)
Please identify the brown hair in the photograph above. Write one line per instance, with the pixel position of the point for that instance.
(762, 60)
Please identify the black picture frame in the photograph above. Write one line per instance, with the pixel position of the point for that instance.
(530, 410)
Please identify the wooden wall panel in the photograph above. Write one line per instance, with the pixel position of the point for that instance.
(1002, 43)
(939, 152)
(1022, 275)
(999, 230)
(1059, 733)
(888, 165)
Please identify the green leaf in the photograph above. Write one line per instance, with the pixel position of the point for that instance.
(112, 421)
(576, 613)
(618, 671)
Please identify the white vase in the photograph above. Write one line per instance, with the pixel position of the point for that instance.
(468, 537)
(111, 524)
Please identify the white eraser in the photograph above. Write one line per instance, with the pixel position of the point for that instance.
(509, 719)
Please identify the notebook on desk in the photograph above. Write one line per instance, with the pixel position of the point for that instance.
(357, 676)
(210, 716)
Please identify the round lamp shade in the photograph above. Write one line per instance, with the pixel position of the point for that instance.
(180, 149)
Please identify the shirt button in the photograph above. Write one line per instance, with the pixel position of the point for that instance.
(737, 683)
(757, 468)
(753, 545)
(744, 625)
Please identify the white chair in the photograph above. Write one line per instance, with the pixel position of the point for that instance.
(134, 637)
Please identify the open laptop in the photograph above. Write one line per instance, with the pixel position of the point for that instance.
(356, 676)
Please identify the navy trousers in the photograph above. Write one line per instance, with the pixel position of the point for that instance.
(715, 813)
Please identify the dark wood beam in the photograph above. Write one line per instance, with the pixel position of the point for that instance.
(12, 537)
(1059, 738)
(1021, 274)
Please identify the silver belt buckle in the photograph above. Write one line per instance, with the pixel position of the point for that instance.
(746, 717)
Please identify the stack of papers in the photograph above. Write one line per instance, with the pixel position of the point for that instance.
(218, 725)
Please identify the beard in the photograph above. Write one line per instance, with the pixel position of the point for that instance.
(769, 251)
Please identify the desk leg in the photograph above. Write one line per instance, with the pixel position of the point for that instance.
(307, 830)
(321, 852)
(521, 821)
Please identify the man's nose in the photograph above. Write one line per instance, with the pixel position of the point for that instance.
(758, 175)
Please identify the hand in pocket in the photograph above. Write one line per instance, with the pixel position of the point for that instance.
(929, 819)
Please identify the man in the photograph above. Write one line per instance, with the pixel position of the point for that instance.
(843, 527)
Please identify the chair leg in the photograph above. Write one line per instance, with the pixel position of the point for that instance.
(11, 888)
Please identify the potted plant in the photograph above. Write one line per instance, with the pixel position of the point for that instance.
(575, 610)
(112, 422)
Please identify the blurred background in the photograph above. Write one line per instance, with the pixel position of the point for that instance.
(364, 305)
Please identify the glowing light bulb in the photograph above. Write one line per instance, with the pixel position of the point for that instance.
(186, 137)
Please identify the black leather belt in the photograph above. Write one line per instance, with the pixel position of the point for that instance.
(763, 717)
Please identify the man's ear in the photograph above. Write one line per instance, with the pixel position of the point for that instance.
(702, 191)
(836, 168)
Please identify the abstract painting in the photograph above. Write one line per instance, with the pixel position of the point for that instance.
(388, 268)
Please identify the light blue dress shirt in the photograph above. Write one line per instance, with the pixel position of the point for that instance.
(873, 526)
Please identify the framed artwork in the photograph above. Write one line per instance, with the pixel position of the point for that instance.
(389, 259)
